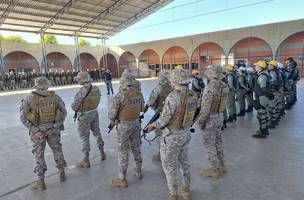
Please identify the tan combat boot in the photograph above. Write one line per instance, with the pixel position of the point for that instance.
(38, 185)
(119, 183)
(137, 173)
(156, 157)
(172, 197)
(184, 192)
(83, 164)
(61, 175)
(212, 172)
(222, 169)
(102, 155)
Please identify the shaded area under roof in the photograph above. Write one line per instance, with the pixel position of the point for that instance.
(86, 18)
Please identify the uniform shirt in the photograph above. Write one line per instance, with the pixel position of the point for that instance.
(25, 107)
(207, 99)
(118, 100)
(170, 106)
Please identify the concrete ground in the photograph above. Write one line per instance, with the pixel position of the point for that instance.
(270, 169)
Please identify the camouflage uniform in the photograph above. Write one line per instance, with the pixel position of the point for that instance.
(88, 118)
(124, 111)
(12, 83)
(179, 107)
(34, 129)
(157, 98)
(213, 104)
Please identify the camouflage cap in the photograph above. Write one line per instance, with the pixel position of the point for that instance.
(180, 76)
(127, 79)
(42, 83)
(164, 77)
(213, 71)
(85, 76)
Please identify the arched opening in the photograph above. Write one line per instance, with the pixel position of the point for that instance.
(109, 62)
(57, 60)
(127, 59)
(20, 61)
(293, 46)
(208, 53)
(87, 62)
(149, 63)
(248, 51)
(175, 56)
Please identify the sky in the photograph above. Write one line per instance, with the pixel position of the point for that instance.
(189, 17)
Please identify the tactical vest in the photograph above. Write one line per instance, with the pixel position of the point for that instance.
(131, 107)
(44, 109)
(165, 91)
(200, 83)
(92, 100)
(185, 112)
(258, 89)
(220, 99)
(242, 79)
(250, 81)
(274, 74)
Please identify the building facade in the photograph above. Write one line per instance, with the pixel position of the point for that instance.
(243, 45)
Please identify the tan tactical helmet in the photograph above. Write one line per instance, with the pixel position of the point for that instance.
(180, 76)
(213, 71)
(85, 76)
(42, 83)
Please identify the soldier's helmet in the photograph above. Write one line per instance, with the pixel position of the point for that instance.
(261, 64)
(42, 83)
(250, 70)
(164, 77)
(85, 76)
(195, 72)
(180, 76)
(128, 70)
(274, 63)
(127, 79)
(229, 68)
(213, 71)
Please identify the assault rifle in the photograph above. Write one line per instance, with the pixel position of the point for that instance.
(153, 119)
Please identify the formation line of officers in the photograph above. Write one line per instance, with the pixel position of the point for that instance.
(43, 113)
(20, 79)
(269, 87)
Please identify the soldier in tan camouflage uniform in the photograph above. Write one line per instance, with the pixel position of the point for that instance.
(85, 103)
(43, 113)
(137, 84)
(176, 118)
(124, 112)
(213, 104)
(157, 99)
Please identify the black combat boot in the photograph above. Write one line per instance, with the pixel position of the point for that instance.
(261, 134)
(241, 113)
(230, 119)
(234, 117)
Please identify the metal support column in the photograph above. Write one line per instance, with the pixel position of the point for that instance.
(78, 61)
(44, 66)
(1, 59)
(104, 54)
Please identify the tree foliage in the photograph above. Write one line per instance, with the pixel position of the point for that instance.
(50, 39)
(13, 38)
(83, 42)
